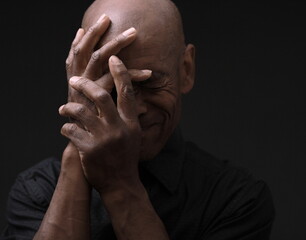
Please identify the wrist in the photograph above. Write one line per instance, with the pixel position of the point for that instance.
(73, 180)
(123, 192)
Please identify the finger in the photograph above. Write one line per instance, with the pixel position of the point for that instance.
(78, 97)
(76, 134)
(76, 40)
(84, 49)
(139, 75)
(81, 114)
(107, 82)
(126, 103)
(100, 97)
(98, 61)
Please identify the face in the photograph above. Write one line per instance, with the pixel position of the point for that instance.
(159, 97)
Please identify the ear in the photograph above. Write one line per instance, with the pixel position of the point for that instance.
(188, 69)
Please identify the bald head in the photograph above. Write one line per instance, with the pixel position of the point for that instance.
(159, 46)
(156, 22)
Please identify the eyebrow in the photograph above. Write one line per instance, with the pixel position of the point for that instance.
(154, 75)
(158, 74)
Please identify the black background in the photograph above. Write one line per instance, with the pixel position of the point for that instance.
(248, 104)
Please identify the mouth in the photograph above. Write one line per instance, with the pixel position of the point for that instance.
(145, 127)
(148, 129)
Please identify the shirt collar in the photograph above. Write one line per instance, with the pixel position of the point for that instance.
(166, 167)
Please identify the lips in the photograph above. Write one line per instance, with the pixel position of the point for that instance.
(147, 126)
(151, 119)
(148, 123)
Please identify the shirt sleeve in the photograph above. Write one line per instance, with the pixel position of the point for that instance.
(29, 199)
(248, 213)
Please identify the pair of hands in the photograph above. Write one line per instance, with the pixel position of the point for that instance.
(106, 136)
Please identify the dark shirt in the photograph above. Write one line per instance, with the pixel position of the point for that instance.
(196, 195)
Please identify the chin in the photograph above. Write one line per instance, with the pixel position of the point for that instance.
(146, 156)
(153, 141)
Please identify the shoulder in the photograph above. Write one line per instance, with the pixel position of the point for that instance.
(49, 166)
(37, 182)
(225, 177)
(202, 163)
(29, 199)
(231, 192)
(204, 166)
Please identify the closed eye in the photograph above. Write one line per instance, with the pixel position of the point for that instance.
(155, 82)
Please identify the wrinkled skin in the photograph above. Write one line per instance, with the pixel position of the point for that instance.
(113, 138)
(110, 141)
(110, 135)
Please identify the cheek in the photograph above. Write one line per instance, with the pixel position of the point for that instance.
(168, 104)
(165, 107)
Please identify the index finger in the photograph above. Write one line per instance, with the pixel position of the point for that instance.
(98, 61)
(75, 42)
(126, 103)
(93, 35)
(83, 50)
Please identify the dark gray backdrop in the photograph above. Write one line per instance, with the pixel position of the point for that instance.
(248, 104)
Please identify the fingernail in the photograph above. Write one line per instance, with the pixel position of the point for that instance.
(101, 18)
(79, 32)
(61, 108)
(73, 79)
(146, 71)
(129, 32)
(115, 60)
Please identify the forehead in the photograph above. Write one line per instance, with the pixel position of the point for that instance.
(145, 52)
(153, 44)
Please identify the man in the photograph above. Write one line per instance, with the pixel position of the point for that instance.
(127, 173)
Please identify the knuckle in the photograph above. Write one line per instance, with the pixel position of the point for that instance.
(68, 129)
(91, 30)
(82, 83)
(80, 110)
(116, 41)
(95, 56)
(72, 128)
(124, 74)
(74, 44)
(102, 97)
(127, 92)
(76, 50)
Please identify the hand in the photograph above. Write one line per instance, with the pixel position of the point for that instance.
(86, 62)
(109, 144)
